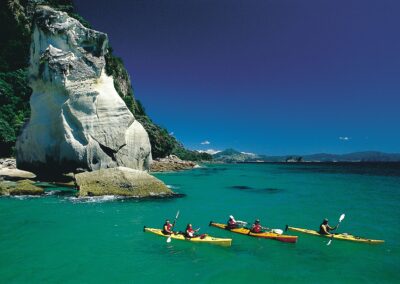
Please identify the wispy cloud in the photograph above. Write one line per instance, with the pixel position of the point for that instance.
(205, 142)
(171, 133)
(344, 138)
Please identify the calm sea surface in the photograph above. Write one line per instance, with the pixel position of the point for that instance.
(58, 238)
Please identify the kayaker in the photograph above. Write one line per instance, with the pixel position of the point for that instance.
(167, 228)
(231, 224)
(324, 228)
(189, 232)
(256, 227)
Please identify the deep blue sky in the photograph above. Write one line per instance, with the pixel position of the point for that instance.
(272, 77)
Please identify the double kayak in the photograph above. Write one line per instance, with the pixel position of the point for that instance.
(202, 239)
(265, 235)
(343, 236)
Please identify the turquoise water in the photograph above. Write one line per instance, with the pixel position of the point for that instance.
(59, 238)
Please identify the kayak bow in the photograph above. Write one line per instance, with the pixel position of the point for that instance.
(265, 235)
(343, 236)
(206, 239)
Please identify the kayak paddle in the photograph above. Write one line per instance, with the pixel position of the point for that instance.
(337, 226)
(173, 225)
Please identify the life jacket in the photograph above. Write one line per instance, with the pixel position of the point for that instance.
(256, 228)
(189, 233)
(169, 227)
(231, 222)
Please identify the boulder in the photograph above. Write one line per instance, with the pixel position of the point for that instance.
(15, 174)
(120, 181)
(22, 187)
(78, 120)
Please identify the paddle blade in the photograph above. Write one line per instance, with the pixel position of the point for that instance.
(177, 215)
(342, 217)
(169, 239)
(329, 242)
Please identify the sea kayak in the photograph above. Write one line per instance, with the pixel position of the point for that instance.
(265, 235)
(205, 239)
(342, 236)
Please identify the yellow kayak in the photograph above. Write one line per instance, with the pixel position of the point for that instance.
(343, 236)
(265, 235)
(205, 239)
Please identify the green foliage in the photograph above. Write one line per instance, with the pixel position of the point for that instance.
(161, 142)
(14, 107)
(186, 154)
(15, 37)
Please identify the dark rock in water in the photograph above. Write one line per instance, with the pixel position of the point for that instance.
(241, 187)
(271, 190)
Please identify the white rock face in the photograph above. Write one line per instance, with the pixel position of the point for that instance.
(78, 120)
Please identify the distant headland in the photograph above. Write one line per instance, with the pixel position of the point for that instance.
(235, 156)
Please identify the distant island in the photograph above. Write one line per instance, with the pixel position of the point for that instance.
(234, 156)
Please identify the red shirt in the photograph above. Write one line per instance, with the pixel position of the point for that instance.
(256, 228)
(189, 232)
(167, 227)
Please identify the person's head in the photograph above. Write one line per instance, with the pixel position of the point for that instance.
(189, 226)
(325, 221)
(257, 221)
(167, 221)
(231, 217)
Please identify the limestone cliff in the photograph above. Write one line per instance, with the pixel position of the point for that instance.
(78, 120)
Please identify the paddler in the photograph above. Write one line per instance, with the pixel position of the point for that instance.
(324, 228)
(231, 224)
(189, 232)
(256, 227)
(167, 228)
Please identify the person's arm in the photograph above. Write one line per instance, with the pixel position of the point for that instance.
(332, 228)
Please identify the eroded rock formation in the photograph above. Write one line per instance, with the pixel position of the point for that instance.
(78, 120)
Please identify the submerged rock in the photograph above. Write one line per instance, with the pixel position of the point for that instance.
(120, 181)
(22, 187)
(171, 163)
(78, 120)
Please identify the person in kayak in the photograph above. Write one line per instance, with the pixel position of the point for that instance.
(167, 228)
(324, 228)
(256, 227)
(190, 233)
(231, 224)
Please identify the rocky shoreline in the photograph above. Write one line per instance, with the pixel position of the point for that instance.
(119, 181)
(171, 163)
